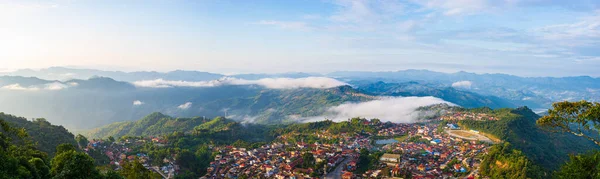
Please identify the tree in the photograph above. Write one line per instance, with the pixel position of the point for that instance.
(68, 163)
(41, 167)
(580, 118)
(64, 148)
(18, 161)
(308, 160)
(71, 164)
(581, 166)
(82, 141)
(135, 170)
(111, 139)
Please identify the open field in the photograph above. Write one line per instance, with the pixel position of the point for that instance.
(469, 135)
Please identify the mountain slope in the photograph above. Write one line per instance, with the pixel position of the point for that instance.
(518, 127)
(283, 106)
(536, 92)
(463, 98)
(45, 135)
(151, 125)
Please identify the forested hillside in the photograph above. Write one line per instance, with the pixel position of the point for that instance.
(154, 124)
(460, 97)
(517, 126)
(44, 135)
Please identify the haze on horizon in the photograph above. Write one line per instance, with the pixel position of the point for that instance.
(519, 37)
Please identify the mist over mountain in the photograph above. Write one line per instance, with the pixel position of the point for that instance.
(264, 98)
(536, 92)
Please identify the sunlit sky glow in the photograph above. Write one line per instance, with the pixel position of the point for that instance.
(522, 37)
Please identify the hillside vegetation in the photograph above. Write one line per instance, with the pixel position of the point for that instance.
(154, 124)
(517, 126)
(44, 135)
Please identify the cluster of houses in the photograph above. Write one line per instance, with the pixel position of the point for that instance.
(425, 152)
(435, 155)
(118, 152)
(283, 160)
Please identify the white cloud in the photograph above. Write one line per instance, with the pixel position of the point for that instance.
(586, 31)
(185, 106)
(394, 109)
(273, 83)
(50, 86)
(55, 86)
(462, 84)
(160, 83)
(137, 103)
(18, 87)
(287, 83)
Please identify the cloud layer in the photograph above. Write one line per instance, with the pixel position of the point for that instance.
(185, 106)
(50, 86)
(394, 109)
(137, 103)
(273, 83)
(462, 84)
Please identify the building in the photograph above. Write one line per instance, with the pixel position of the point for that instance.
(347, 175)
(453, 126)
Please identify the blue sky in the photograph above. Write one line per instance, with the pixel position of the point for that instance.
(521, 37)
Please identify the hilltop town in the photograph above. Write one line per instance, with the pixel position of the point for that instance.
(424, 150)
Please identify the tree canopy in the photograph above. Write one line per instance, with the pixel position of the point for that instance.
(580, 118)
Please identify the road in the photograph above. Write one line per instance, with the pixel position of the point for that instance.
(157, 170)
(337, 173)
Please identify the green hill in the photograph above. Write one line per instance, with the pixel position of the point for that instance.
(44, 135)
(518, 127)
(151, 125)
(281, 106)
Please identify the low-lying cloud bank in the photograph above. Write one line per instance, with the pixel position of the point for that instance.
(273, 83)
(394, 109)
(50, 86)
(185, 106)
(462, 84)
(138, 103)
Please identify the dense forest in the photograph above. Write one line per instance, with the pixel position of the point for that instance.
(503, 161)
(517, 126)
(44, 135)
(154, 124)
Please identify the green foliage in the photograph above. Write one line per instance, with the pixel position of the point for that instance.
(502, 161)
(44, 135)
(155, 124)
(64, 148)
(73, 165)
(354, 125)
(19, 161)
(518, 127)
(82, 141)
(135, 170)
(581, 166)
(367, 161)
(308, 160)
(580, 118)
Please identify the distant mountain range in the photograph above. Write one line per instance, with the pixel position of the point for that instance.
(83, 99)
